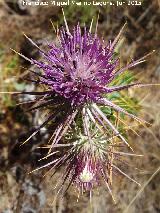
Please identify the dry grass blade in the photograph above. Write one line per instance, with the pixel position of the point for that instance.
(141, 190)
(65, 21)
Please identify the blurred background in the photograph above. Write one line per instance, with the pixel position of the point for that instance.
(21, 192)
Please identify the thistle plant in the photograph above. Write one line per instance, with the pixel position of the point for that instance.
(77, 75)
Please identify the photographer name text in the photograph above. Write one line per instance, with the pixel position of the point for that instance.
(85, 3)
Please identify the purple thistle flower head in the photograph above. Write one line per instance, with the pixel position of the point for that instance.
(85, 165)
(87, 170)
(89, 165)
(80, 67)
